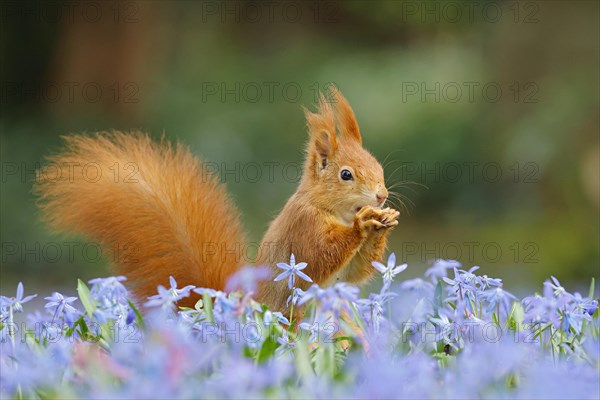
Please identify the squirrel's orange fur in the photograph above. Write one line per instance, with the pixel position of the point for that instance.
(155, 211)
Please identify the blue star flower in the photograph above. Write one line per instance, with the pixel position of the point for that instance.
(291, 271)
(17, 301)
(167, 297)
(498, 296)
(439, 269)
(61, 305)
(389, 271)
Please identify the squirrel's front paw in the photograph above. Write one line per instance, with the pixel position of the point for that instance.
(374, 218)
(389, 217)
(366, 219)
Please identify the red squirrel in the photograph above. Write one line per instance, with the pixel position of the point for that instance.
(151, 206)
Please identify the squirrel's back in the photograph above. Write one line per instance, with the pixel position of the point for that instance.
(150, 206)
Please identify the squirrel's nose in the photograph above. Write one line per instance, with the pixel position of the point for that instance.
(382, 195)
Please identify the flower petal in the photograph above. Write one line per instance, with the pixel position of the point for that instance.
(301, 265)
(303, 276)
(449, 281)
(391, 261)
(378, 266)
(27, 298)
(283, 266)
(283, 275)
(19, 291)
(399, 268)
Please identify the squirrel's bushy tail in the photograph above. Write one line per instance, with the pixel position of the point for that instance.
(150, 207)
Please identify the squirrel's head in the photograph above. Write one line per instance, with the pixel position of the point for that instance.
(339, 174)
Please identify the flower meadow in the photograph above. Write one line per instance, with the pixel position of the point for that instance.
(452, 334)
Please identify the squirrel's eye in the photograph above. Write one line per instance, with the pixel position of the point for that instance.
(346, 175)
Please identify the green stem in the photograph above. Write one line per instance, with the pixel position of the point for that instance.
(292, 309)
(498, 311)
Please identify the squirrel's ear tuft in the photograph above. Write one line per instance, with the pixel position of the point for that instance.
(347, 124)
(321, 129)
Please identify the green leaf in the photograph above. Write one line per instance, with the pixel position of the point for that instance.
(302, 357)
(207, 300)
(247, 352)
(592, 288)
(343, 338)
(443, 359)
(325, 361)
(84, 295)
(267, 350)
(515, 319)
(357, 317)
(512, 380)
(138, 316)
(495, 319)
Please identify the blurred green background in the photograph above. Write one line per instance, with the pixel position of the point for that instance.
(489, 109)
